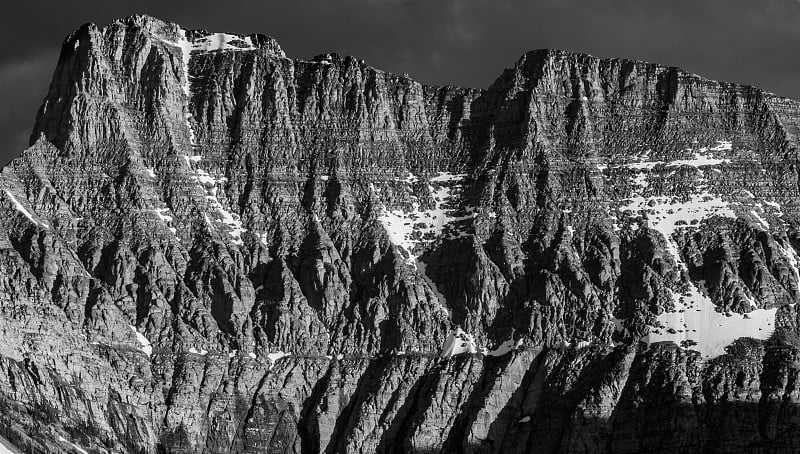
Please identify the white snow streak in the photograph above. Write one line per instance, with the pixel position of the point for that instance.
(77, 448)
(186, 51)
(702, 157)
(760, 219)
(211, 186)
(698, 161)
(23, 210)
(6, 449)
(165, 219)
(791, 256)
(232, 221)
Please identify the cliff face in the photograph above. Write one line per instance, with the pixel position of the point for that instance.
(210, 247)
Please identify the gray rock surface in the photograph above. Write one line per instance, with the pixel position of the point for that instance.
(210, 247)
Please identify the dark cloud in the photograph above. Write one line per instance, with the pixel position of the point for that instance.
(462, 42)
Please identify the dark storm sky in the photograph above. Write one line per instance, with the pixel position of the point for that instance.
(461, 42)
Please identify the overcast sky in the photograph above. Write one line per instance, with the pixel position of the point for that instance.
(460, 42)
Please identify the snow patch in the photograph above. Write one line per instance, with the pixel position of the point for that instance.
(505, 348)
(444, 177)
(223, 41)
(192, 135)
(232, 221)
(582, 344)
(668, 215)
(206, 180)
(646, 165)
(210, 43)
(195, 351)
(723, 145)
(640, 181)
(274, 357)
(695, 317)
(165, 219)
(697, 321)
(145, 345)
(458, 342)
(415, 227)
(211, 186)
(160, 213)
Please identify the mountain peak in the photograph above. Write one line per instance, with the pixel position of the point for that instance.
(199, 39)
(211, 248)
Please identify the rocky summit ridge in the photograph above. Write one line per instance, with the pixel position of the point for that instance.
(211, 247)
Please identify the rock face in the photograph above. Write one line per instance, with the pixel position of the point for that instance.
(210, 247)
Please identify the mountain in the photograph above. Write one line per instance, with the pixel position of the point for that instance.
(210, 247)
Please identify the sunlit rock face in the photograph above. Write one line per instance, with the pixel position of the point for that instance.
(211, 247)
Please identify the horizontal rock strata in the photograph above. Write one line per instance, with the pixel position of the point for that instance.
(210, 247)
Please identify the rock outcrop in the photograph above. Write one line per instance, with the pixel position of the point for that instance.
(211, 247)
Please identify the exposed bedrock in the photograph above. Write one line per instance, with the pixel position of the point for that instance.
(211, 247)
